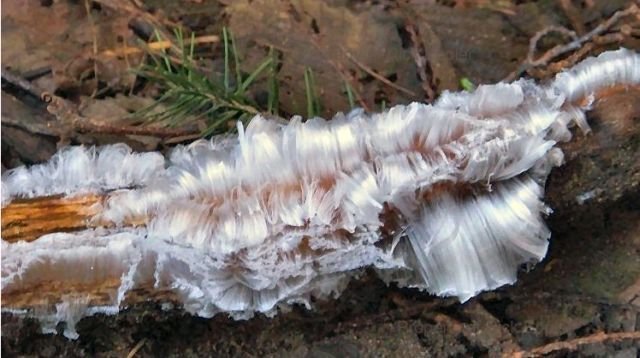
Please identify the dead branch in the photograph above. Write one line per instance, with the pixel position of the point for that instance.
(577, 42)
(580, 54)
(13, 79)
(137, 347)
(71, 121)
(30, 126)
(425, 72)
(574, 344)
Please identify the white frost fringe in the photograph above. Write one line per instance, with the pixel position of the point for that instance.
(286, 212)
(78, 170)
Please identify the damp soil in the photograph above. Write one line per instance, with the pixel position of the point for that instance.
(587, 287)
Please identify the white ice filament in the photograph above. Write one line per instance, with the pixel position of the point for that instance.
(286, 212)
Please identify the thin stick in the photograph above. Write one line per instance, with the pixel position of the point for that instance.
(70, 120)
(137, 348)
(35, 127)
(422, 63)
(377, 76)
(574, 344)
(576, 44)
(19, 82)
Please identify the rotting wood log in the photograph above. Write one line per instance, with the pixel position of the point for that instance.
(29, 219)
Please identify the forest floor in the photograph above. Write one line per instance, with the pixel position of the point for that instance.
(582, 300)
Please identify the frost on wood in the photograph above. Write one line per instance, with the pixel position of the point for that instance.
(444, 197)
(77, 170)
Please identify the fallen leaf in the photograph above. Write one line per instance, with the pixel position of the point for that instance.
(335, 42)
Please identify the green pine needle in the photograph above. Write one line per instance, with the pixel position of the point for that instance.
(307, 88)
(350, 97)
(313, 103)
(225, 37)
(190, 94)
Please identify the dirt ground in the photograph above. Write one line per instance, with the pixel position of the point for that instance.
(582, 300)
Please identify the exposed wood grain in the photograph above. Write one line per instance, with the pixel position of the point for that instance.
(46, 295)
(28, 219)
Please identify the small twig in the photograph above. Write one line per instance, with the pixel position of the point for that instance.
(30, 126)
(572, 59)
(70, 120)
(577, 42)
(574, 344)
(156, 46)
(137, 348)
(376, 75)
(583, 51)
(351, 80)
(94, 127)
(533, 44)
(425, 71)
(34, 74)
(15, 80)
